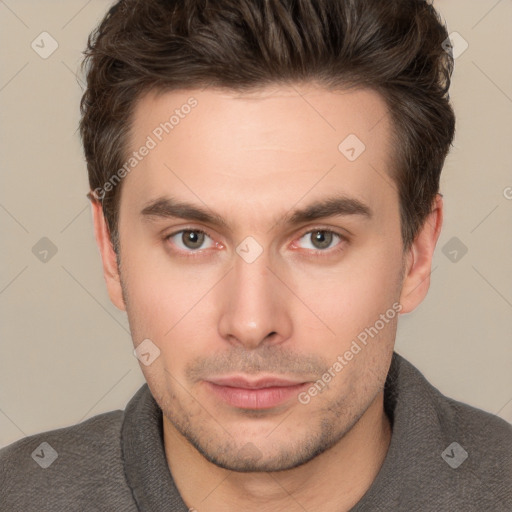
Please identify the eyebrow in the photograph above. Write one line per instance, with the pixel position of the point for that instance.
(167, 207)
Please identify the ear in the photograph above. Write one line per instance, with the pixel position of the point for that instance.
(108, 256)
(418, 260)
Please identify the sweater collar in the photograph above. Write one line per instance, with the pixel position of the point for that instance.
(145, 464)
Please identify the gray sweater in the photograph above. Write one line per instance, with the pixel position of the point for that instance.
(443, 456)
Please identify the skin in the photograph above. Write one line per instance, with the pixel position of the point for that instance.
(253, 158)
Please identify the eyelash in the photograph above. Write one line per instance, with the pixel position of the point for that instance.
(188, 254)
(311, 253)
(318, 253)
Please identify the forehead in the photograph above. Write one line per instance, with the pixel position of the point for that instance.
(275, 143)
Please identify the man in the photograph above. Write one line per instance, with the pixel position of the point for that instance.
(265, 190)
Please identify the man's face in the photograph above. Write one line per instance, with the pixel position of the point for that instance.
(250, 311)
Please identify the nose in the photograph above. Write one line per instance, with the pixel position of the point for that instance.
(253, 305)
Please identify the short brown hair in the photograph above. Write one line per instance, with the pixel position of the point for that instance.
(394, 47)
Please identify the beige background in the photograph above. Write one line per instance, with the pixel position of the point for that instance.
(66, 353)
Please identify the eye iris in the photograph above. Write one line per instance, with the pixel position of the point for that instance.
(192, 239)
(322, 239)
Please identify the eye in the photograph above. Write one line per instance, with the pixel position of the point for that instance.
(190, 240)
(320, 239)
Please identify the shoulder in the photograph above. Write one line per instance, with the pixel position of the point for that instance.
(468, 453)
(486, 433)
(476, 456)
(64, 465)
(487, 436)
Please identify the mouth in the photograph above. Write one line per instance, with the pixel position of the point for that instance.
(256, 394)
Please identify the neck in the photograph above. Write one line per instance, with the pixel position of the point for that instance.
(335, 480)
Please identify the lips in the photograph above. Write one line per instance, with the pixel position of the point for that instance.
(262, 393)
(244, 383)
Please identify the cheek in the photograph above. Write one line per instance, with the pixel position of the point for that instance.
(167, 302)
(153, 282)
(360, 306)
(351, 296)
